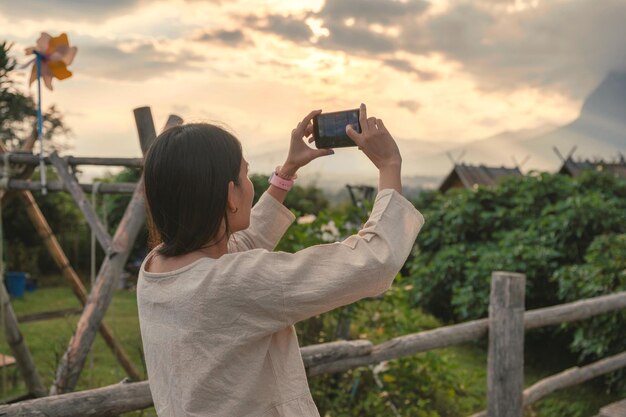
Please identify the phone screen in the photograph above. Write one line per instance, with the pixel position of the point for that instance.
(329, 129)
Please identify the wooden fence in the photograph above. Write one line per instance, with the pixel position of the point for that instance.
(505, 326)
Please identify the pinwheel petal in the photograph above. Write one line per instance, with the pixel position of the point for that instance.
(59, 70)
(43, 42)
(58, 42)
(64, 54)
(33, 75)
(57, 55)
(47, 80)
(46, 74)
(68, 58)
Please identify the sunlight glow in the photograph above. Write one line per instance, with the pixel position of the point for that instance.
(229, 61)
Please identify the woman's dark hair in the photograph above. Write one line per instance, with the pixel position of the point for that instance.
(186, 172)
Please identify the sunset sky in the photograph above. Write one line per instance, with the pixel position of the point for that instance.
(440, 71)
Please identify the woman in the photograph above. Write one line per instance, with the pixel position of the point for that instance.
(216, 305)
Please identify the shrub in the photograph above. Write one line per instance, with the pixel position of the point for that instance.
(533, 224)
(603, 272)
(566, 234)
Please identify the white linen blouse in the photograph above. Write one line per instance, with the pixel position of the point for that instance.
(218, 334)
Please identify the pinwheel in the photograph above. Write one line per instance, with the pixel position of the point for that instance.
(52, 56)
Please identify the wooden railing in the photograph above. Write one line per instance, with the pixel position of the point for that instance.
(505, 326)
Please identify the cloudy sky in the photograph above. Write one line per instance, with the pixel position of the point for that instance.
(438, 70)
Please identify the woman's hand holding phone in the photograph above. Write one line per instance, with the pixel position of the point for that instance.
(374, 140)
(379, 146)
(300, 153)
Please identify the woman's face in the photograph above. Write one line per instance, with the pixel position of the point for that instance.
(240, 201)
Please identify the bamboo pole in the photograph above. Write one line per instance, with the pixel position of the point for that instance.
(97, 227)
(26, 172)
(99, 300)
(104, 188)
(27, 158)
(60, 259)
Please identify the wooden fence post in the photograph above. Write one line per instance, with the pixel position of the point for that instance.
(18, 346)
(505, 361)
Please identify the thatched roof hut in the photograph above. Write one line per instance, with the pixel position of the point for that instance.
(574, 168)
(469, 176)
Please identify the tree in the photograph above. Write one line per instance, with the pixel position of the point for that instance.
(18, 112)
(23, 248)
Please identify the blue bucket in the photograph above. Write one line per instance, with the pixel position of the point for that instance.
(16, 283)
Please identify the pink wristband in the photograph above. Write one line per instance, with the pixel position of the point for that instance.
(281, 183)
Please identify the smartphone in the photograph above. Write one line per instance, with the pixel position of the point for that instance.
(329, 129)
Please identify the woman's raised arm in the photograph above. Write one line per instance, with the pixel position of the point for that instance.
(284, 288)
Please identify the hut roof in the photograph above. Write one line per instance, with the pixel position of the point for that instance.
(471, 175)
(574, 168)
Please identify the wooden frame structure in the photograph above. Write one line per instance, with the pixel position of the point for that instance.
(117, 249)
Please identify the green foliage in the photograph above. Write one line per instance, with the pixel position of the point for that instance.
(604, 272)
(113, 206)
(24, 250)
(555, 407)
(427, 385)
(18, 111)
(533, 224)
(14, 106)
(565, 234)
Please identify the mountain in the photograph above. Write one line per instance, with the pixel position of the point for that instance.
(600, 129)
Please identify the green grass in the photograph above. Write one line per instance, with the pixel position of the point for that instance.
(48, 339)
